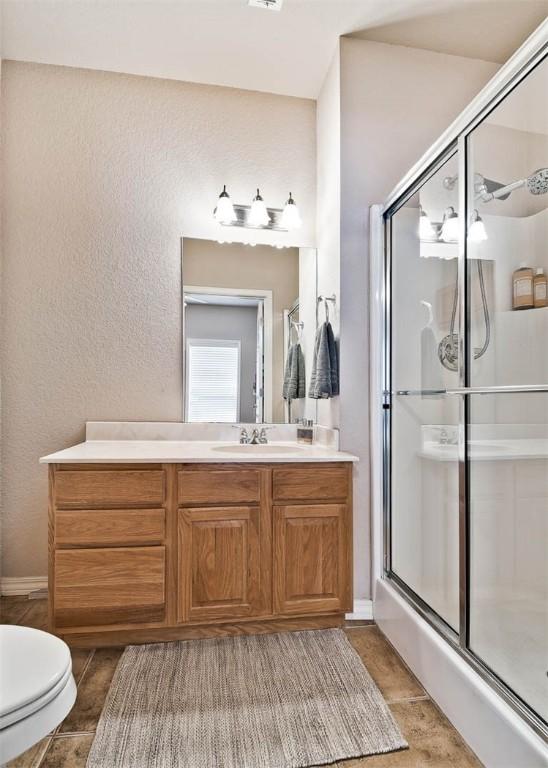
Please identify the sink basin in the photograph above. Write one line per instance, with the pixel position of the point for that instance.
(259, 449)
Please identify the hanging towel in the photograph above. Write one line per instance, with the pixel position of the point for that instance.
(324, 382)
(294, 377)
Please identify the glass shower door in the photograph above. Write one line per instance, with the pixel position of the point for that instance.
(424, 420)
(507, 258)
(466, 391)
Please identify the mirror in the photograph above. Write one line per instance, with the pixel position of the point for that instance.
(244, 308)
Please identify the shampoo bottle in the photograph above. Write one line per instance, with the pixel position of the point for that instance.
(540, 288)
(522, 288)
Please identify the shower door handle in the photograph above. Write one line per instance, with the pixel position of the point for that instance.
(418, 392)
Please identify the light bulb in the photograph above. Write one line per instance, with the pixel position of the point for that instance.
(450, 227)
(224, 212)
(426, 230)
(258, 215)
(290, 218)
(477, 232)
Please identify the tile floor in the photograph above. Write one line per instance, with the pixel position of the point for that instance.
(433, 742)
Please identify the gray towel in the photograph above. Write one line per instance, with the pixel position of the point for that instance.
(324, 382)
(294, 377)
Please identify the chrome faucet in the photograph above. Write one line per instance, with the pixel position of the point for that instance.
(257, 437)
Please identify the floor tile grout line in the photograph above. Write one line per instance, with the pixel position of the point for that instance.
(360, 626)
(42, 756)
(86, 666)
(56, 736)
(425, 697)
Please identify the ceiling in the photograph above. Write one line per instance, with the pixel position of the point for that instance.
(225, 42)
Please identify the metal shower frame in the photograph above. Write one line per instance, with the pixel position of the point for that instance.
(454, 140)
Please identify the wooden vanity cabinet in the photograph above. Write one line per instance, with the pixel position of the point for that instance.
(310, 559)
(159, 552)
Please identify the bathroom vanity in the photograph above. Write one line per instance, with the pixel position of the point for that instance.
(213, 539)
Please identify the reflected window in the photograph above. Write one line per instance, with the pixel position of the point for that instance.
(213, 380)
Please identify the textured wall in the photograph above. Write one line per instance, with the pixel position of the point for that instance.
(102, 174)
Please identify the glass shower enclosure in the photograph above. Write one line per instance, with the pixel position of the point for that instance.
(465, 398)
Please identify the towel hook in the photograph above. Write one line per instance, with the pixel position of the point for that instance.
(325, 300)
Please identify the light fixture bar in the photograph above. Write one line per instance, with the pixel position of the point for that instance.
(242, 216)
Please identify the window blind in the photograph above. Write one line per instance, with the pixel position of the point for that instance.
(213, 380)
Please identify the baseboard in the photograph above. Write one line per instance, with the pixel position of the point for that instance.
(21, 585)
(363, 610)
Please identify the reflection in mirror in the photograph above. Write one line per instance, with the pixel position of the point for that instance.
(249, 321)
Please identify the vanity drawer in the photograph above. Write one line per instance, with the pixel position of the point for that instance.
(109, 527)
(109, 586)
(212, 486)
(103, 488)
(316, 483)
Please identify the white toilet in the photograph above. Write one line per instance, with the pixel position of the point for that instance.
(37, 689)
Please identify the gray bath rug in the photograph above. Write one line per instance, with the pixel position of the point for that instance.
(288, 700)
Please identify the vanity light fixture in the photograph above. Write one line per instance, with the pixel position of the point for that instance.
(450, 226)
(477, 232)
(224, 212)
(291, 218)
(426, 230)
(258, 215)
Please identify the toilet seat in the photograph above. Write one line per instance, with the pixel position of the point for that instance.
(37, 690)
(32, 706)
(32, 664)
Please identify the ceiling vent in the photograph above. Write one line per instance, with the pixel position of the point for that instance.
(270, 5)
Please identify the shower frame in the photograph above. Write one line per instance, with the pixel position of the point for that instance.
(454, 140)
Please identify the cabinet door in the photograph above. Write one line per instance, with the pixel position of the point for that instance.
(95, 587)
(219, 563)
(312, 558)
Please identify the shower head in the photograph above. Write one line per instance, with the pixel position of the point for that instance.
(536, 183)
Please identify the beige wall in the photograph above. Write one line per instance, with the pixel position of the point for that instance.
(103, 173)
(328, 207)
(235, 265)
(392, 103)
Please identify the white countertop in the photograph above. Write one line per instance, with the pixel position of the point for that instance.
(192, 451)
